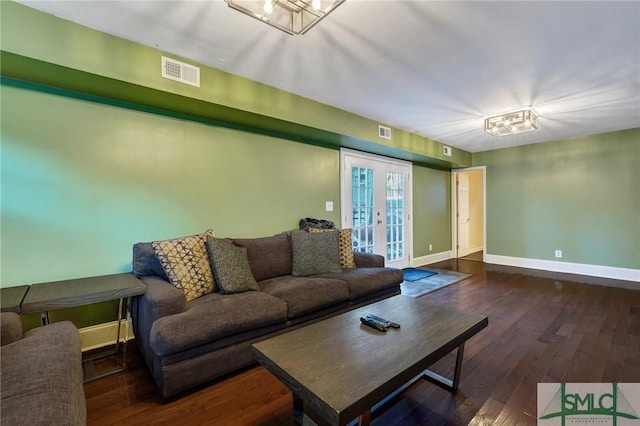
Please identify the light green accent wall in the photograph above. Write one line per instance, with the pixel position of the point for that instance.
(82, 182)
(578, 195)
(64, 43)
(431, 211)
(89, 166)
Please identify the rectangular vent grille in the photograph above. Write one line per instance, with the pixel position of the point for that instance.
(384, 132)
(179, 71)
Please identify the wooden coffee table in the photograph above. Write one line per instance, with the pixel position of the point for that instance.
(338, 369)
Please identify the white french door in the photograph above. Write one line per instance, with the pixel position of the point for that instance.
(376, 204)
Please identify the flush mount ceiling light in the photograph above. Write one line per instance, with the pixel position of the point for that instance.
(511, 123)
(294, 17)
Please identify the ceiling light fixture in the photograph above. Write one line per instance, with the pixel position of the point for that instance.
(294, 17)
(511, 123)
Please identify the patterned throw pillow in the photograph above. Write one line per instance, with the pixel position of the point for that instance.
(185, 262)
(347, 260)
(230, 266)
(315, 253)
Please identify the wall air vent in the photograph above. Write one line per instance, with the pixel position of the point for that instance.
(384, 132)
(179, 71)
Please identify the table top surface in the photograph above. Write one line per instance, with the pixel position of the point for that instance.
(340, 368)
(11, 297)
(53, 295)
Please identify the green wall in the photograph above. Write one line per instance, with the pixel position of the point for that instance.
(432, 211)
(579, 195)
(82, 182)
(98, 152)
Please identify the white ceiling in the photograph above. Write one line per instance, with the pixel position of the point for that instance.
(434, 68)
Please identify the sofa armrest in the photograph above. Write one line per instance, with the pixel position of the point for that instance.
(161, 299)
(42, 378)
(368, 260)
(10, 327)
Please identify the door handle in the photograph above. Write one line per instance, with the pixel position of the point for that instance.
(379, 221)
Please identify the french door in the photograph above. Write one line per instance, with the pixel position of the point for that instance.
(376, 204)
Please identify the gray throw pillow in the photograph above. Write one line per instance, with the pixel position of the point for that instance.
(315, 253)
(230, 266)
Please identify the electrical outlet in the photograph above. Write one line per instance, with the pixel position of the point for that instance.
(559, 254)
(329, 206)
(430, 247)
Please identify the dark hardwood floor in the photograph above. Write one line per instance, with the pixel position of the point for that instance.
(543, 327)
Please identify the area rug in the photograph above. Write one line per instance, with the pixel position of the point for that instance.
(415, 274)
(423, 286)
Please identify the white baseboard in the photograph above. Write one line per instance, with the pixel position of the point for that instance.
(475, 249)
(566, 267)
(431, 258)
(101, 335)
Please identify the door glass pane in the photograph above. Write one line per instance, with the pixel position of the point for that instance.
(363, 214)
(395, 216)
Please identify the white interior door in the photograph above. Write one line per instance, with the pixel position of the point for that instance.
(463, 218)
(376, 204)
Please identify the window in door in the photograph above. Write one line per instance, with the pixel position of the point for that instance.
(395, 216)
(362, 189)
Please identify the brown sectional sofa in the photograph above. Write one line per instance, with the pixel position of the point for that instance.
(189, 343)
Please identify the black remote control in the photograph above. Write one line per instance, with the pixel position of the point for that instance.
(387, 323)
(373, 324)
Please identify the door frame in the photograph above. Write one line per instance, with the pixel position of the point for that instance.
(345, 176)
(454, 209)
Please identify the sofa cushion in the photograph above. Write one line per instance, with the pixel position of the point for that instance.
(185, 262)
(230, 266)
(215, 316)
(368, 260)
(345, 246)
(306, 294)
(315, 253)
(268, 256)
(363, 281)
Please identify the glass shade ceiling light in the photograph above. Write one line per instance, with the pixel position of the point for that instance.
(511, 123)
(294, 17)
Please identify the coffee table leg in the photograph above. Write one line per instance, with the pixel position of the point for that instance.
(298, 410)
(365, 418)
(456, 373)
(450, 385)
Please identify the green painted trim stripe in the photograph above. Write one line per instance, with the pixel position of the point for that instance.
(33, 74)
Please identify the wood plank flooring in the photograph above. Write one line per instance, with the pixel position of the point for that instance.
(543, 327)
